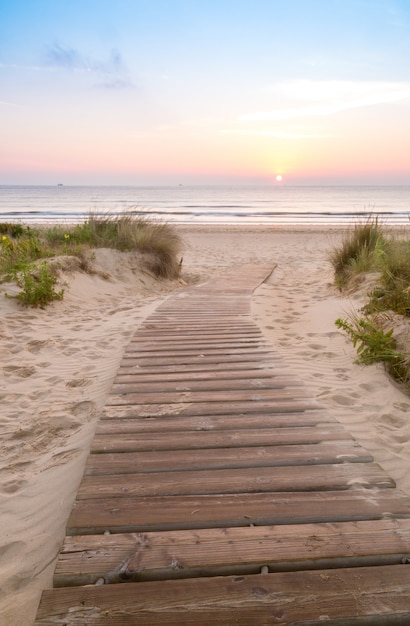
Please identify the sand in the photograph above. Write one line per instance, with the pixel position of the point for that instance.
(57, 366)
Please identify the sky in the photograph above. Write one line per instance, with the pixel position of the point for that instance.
(164, 92)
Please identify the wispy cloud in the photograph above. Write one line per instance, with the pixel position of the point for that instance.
(307, 98)
(111, 73)
(3, 103)
(276, 134)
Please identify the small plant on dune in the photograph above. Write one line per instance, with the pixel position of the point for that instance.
(164, 244)
(38, 286)
(371, 342)
(129, 232)
(375, 345)
(393, 291)
(17, 253)
(356, 252)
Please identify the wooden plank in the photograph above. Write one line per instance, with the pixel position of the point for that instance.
(211, 408)
(202, 352)
(222, 395)
(218, 358)
(219, 439)
(229, 510)
(189, 349)
(340, 597)
(131, 366)
(235, 374)
(215, 552)
(170, 423)
(179, 330)
(214, 384)
(224, 458)
(286, 478)
(160, 343)
(202, 330)
(192, 347)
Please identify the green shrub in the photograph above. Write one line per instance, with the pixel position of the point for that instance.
(374, 345)
(38, 286)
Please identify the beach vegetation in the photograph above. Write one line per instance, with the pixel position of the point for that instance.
(357, 251)
(369, 248)
(38, 286)
(374, 344)
(158, 240)
(16, 252)
(22, 248)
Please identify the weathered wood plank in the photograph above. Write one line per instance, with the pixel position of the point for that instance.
(136, 386)
(364, 595)
(159, 343)
(229, 510)
(285, 478)
(201, 351)
(224, 458)
(219, 439)
(211, 408)
(179, 330)
(220, 395)
(150, 361)
(130, 366)
(191, 348)
(139, 376)
(215, 552)
(170, 423)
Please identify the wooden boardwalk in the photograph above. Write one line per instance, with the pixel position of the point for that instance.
(217, 492)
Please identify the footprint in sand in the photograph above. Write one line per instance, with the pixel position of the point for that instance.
(343, 400)
(392, 420)
(13, 485)
(83, 409)
(402, 406)
(78, 382)
(36, 345)
(20, 372)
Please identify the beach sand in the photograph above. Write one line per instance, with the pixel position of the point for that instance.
(58, 364)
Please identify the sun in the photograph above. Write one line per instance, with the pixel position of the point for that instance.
(278, 178)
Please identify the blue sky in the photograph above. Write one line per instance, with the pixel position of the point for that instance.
(228, 91)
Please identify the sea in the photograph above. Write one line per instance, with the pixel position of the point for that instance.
(235, 205)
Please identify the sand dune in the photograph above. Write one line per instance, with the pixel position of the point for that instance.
(57, 367)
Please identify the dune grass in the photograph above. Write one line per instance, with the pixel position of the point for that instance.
(357, 251)
(369, 248)
(22, 247)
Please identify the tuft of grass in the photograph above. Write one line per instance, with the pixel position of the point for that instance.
(128, 232)
(12, 230)
(393, 291)
(356, 253)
